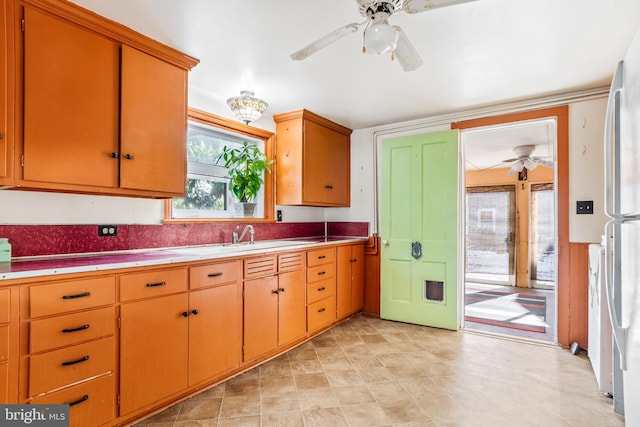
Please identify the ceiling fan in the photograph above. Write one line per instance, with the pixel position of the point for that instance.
(523, 159)
(379, 37)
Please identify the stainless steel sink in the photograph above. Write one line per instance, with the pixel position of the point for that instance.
(228, 248)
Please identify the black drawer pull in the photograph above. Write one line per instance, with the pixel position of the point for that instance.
(321, 310)
(153, 285)
(185, 314)
(194, 312)
(277, 291)
(281, 289)
(322, 257)
(73, 362)
(84, 294)
(321, 289)
(81, 328)
(215, 274)
(82, 399)
(329, 187)
(322, 273)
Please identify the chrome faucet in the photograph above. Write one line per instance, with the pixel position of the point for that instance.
(238, 239)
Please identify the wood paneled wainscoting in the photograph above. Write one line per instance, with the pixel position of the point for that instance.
(372, 276)
(578, 296)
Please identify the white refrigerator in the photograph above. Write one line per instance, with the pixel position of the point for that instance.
(622, 233)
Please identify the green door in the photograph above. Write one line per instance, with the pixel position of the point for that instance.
(419, 228)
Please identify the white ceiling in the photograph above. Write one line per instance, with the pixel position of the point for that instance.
(475, 54)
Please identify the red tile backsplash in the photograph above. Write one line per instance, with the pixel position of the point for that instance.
(35, 240)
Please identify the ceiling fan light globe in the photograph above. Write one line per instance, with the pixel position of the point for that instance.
(530, 164)
(380, 38)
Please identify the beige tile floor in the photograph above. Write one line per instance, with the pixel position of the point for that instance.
(370, 372)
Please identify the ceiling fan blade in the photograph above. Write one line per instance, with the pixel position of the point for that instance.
(406, 54)
(511, 160)
(324, 41)
(541, 162)
(417, 6)
(529, 164)
(516, 167)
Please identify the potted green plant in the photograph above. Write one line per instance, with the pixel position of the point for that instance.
(247, 166)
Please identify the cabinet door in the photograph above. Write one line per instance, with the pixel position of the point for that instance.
(154, 124)
(343, 281)
(260, 316)
(6, 90)
(71, 84)
(357, 278)
(326, 166)
(215, 331)
(292, 309)
(153, 350)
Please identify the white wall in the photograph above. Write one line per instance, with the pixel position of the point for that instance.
(586, 129)
(586, 168)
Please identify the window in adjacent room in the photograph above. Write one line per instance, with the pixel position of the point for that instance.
(207, 191)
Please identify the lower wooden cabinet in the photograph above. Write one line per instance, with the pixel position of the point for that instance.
(215, 331)
(349, 279)
(274, 306)
(153, 350)
(9, 345)
(117, 347)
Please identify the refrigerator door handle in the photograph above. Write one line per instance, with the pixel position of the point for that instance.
(612, 208)
(613, 280)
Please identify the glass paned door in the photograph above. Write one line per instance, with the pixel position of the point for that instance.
(490, 234)
(543, 250)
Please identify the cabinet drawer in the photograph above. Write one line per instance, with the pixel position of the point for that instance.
(58, 368)
(321, 314)
(4, 306)
(214, 274)
(4, 343)
(320, 290)
(291, 262)
(321, 256)
(62, 297)
(91, 403)
(260, 267)
(71, 329)
(152, 284)
(321, 272)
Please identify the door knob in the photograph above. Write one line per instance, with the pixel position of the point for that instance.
(385, 243)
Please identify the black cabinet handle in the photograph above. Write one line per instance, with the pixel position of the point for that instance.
(281, 289)
(73, 362)
(215, 274)
(128, 156)
(322, 273)
(153, 285)
(322, 257)
(353, 260)
(194, 312)
(321, 310)
(321, 289)
(81, 328)
(84, 294)
(277, 291)
(1, 135)
(328, 187)
(82, 399)
(114, 155)
(185, 314)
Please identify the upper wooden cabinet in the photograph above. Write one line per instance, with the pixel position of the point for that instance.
(99, 116)
(6, 92)
(312, 160)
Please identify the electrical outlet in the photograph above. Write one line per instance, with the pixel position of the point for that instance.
(584, 207)
(107, 230)
(279, 215)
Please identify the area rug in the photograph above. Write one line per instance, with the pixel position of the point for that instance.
(510, 310)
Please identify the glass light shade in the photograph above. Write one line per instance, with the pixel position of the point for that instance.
(246, 107)
(380, 38)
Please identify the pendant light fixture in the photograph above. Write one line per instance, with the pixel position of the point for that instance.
(246, 107)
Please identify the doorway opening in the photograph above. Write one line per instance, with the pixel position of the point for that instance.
(510, 226)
